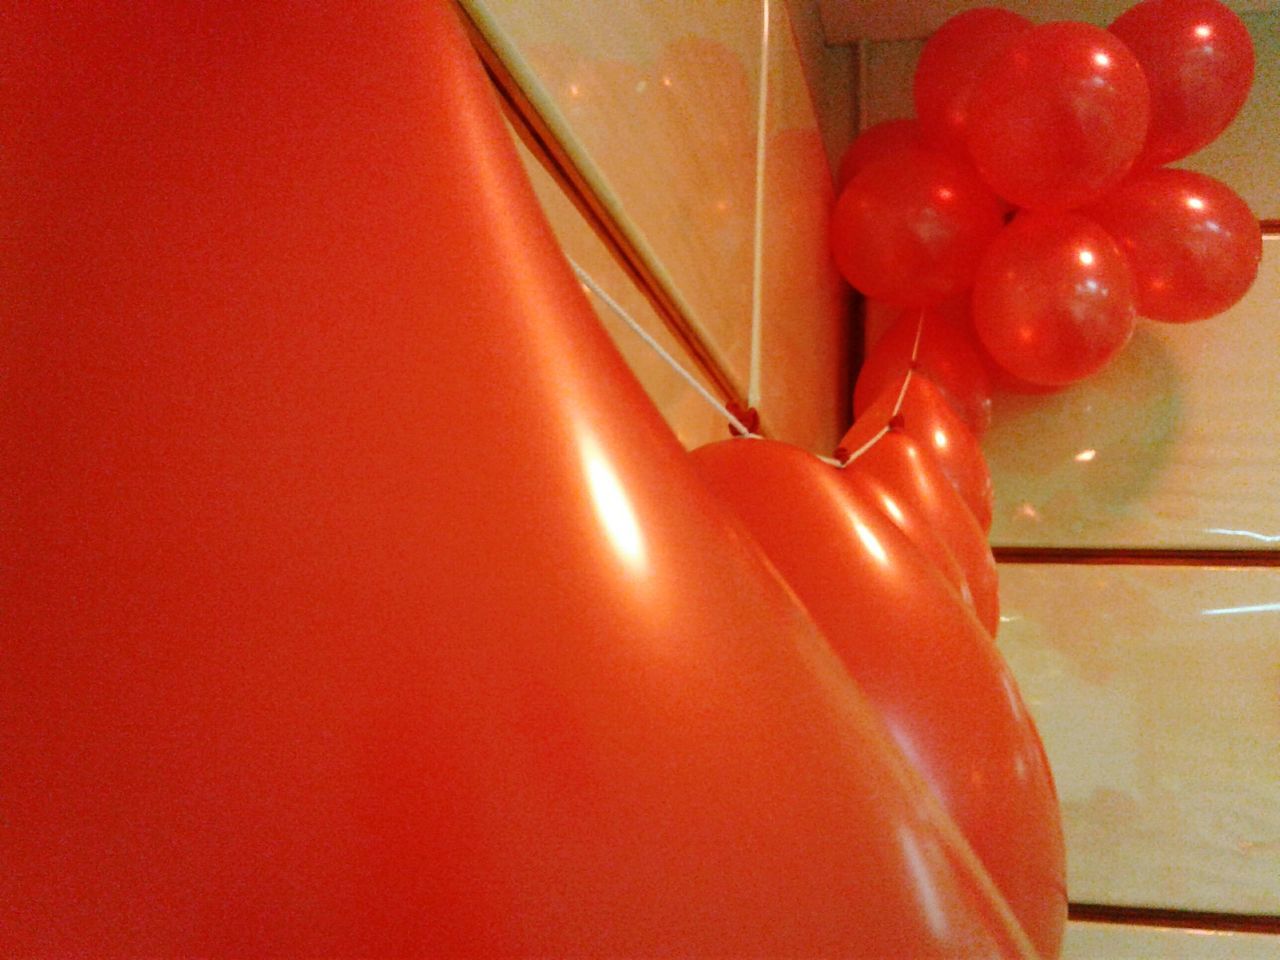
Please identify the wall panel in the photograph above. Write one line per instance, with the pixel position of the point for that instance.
(1107, 941)
(1157, 693)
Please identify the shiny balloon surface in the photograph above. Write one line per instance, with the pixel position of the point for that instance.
(1198, 58)
(1054, 298)
(1193, 245)
(911, 228)
(1058, 117)
(906, 481)
(920, 655)
(926, 416)
(367, 607)
(949, 67)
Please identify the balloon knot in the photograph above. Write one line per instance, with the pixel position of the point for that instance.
(747, 416)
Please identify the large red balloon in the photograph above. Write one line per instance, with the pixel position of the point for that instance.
(911, 228)
(1194, 246)
(924, 661)
(920, 529)
(356, 601)
(948, 352)
(1198, 59)
(879, 141)
(926, 416)
(1054, 298)
(1058, 117)
(927, 508)
(949, 67)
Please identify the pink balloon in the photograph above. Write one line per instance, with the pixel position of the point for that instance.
(1198, 59)
(1053, 301)
(1193, 244)
(1058, 118)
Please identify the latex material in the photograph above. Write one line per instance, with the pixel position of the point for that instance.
(1058, 117)
(1193, 245)
(1054, 298)
(879, 141)
(928, 418)
(910, 228)
(949, 67)
(366, 607)
(919, 654)
(948, 352)
(932, 515)
(1198, 59)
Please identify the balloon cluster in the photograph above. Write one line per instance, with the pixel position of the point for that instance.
(1029, 192)
(1015, 229)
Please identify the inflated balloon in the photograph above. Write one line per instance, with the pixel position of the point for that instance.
(928, 418)
(1198, 59)
(949, 67)
(927, 508)
(879, 141)
(1058, 117)
(911, 228)
(1194, 246)
(927, 538)
(1054, 298)
(350, 629)
(948, 352)
(922, 658)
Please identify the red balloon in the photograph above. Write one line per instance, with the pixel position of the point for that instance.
(1058, 117)
(1198, 59)
(924, 535)
(923, 660)
(348, 629)
(926, 507)
(928, 418)
(911, 228)
(1193, 245)
(1054, 298)
(878, 142)
(948, 353)
(949, 67)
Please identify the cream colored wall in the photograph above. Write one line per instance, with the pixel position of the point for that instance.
(1156, 687)
(658, 105)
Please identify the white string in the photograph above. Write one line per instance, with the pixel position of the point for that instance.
(911, 369)
(902, 396)
(757, 250)
(586, 280)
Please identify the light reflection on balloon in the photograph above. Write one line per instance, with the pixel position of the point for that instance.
(922, 657)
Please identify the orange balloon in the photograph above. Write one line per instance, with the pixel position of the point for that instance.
(927, 418)
(949, 67)
(907, 483)
(923, 660)
(1054, 298)
(1058, 116)
(351, 629)
(1193, 245)
(948, 353)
